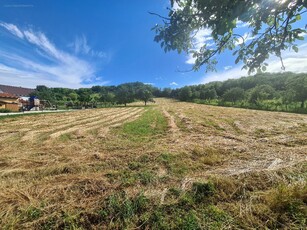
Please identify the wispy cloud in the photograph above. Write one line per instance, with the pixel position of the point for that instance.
(81, 46)
(13, 29)
(294, 62)
(173, 83)
(49, 65)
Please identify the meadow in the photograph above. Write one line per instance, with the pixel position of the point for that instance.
(171, 165)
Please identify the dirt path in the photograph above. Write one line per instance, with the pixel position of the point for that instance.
(174, 130)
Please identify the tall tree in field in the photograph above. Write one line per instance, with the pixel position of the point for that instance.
(124, 94)
(272, 29)
(144, 94)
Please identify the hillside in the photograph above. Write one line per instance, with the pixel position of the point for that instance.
(169, 165)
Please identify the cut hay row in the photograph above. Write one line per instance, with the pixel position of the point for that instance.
(254, 140)
(58, 120)
(116, 120)
(87, 121)
(49, 127)
(106, 121)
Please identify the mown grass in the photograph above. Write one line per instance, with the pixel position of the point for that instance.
(146, 180)
(200, 207)
(193, 209)
(14, 117)
(273, 201)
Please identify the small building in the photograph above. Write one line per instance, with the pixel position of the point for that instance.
(18, 92)
(9, 101)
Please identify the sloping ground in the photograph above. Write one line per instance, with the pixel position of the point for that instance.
(254, 140)
(171, 165)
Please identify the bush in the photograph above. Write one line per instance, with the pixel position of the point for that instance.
(5, 111)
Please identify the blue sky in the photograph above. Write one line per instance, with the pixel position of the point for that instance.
(83, 43)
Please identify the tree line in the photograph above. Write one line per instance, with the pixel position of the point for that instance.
(96, 96)
(267, 91)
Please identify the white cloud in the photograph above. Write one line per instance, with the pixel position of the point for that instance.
(294, 62)
(201, 38)
(227, 67)
(49, 65)
(173, 83)
(224, 75)
(13, 29)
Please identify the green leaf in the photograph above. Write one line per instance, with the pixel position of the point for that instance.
(298, 17)
(295, 48)
(263, 68)
(237, 60)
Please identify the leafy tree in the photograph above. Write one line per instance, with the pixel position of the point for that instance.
(166, 92)
(94, 99)
(73, 96)
(272, 28)
(44, 93)
(298, 89)
(260, 93)
(208, 93)
(234, 95)
(124, 94)
(185, 93)
(145, 95)
(107, 98)
(195, 94)
(84, 95)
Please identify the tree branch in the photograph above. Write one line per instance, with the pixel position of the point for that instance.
(160, 16)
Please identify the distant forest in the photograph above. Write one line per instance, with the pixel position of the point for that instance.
(266, 91)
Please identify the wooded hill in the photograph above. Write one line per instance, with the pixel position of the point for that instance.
(267, 91)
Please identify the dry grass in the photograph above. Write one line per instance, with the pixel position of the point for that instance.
(69, 170)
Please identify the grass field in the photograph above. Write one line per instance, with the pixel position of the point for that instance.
(171, 165)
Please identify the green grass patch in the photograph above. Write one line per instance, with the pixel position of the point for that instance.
(191, 209)
(65, 137)
(149, 126)
(176, 164)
